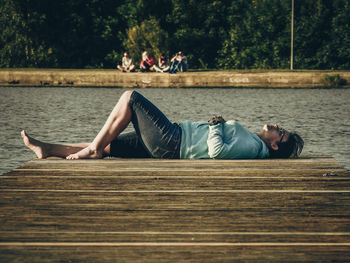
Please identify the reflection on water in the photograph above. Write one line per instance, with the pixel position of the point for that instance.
(73, 114)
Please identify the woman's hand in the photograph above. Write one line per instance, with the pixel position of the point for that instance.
(216, 120)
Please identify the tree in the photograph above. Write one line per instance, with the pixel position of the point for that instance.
(240, 34)
(339, 57)
(148, 36)
(21, 44)
(197, 27)
(258, 37)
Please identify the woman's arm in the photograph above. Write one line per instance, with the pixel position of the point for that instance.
(215, 142)
(150, 61)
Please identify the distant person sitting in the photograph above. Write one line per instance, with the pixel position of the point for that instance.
(147, 62)
(163, 65)
(127, 63)
(178, 63)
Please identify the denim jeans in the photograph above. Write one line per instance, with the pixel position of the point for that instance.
(177, 66)
(154, 137)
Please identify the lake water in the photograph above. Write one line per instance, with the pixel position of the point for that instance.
(321, 116)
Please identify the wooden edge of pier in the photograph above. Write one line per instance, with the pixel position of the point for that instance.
(151, 210)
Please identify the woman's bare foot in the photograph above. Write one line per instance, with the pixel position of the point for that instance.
(86, 153)
(38, 147)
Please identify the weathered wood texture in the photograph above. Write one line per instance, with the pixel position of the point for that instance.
(118, 210)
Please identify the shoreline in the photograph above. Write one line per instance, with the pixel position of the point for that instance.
(199, 79)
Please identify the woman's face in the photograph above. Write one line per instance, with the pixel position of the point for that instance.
(273, 135)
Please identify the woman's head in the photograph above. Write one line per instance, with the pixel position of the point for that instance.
(281, 143)
(292, 147)
(144, 55)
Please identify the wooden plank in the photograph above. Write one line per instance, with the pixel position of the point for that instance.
(176, 200)
(171, 237)
(216, 212)
(171, 221)
(154, 164)
(239, 253)
(176, 172)
(169, 244)
(132, 183)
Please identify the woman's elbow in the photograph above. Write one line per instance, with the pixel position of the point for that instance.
(214, 153)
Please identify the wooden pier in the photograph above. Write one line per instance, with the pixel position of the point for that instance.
(150, 210)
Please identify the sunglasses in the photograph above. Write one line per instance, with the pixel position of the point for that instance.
(282, 132)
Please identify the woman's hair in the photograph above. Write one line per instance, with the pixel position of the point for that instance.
(290, 148)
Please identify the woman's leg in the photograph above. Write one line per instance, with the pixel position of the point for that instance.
(117, 121)
(156, 68)
(174, 66)
(128, 145)
(44, 150)
(121, 68)
(159, 136)
(132, 68)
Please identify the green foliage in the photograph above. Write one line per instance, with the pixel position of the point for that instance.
(259, 39)
(198, 28)
(333, 81)
(237, 34)
(20, 40)
(146, 37)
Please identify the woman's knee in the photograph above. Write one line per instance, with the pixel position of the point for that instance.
(125, 97)
(127, 93)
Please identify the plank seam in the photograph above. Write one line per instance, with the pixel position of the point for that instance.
(176, 191)
(169, 244)
(183, 233)
(175, 169)
(286, 177)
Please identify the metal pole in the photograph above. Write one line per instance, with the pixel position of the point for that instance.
(292, 36)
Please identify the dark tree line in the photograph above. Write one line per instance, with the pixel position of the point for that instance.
(232, 34)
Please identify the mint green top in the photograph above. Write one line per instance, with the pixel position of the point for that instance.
(199, 140)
